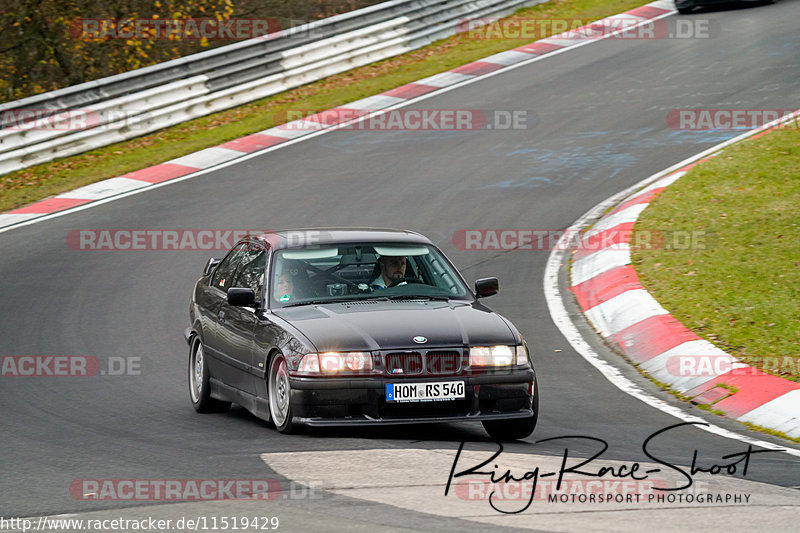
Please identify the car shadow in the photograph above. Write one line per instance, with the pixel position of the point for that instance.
(434, 432)
(729, 6)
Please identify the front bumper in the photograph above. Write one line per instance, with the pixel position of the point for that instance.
(362, 401)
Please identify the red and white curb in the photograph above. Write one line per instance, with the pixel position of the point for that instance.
(611, 297)
(184, 167)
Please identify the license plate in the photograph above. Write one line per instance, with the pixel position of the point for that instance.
(425, 392)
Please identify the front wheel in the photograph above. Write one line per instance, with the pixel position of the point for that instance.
(280, 395)
(199, 387)
(515, 428)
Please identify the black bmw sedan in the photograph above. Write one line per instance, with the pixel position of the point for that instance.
(335, 327)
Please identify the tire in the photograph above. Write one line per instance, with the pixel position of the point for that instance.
(199, 387)
(685, 10)
(515, 428)
(280, 395)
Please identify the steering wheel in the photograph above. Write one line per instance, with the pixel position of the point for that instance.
(397, 282)
(338, 279)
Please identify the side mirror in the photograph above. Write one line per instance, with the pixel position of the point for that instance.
(212, 263)
(486, 287)
(241, 297)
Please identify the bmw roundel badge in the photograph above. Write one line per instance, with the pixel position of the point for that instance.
(419, 339)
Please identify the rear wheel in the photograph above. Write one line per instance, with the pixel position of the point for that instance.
(199, 387)
(280, 395)
(515, 428)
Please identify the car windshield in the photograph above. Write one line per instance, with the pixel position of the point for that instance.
(344, 272)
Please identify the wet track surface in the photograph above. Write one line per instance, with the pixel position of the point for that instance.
(597, 124)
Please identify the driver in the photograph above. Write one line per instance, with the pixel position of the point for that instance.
(392, 268)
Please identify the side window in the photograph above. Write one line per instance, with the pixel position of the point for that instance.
(251, 270)
(442, 278)
(223, 275)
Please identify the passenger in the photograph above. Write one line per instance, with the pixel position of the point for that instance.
(292, 282)
(284, 289)
(392, 269)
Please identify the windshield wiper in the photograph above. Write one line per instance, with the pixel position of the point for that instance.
(418, 297)
(318, 301)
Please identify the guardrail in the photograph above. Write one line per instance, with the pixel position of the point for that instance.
(145, 100)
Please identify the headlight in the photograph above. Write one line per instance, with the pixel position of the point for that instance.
(335, 363)
(492, 355)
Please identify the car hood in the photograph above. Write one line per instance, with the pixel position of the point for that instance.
(378, 325)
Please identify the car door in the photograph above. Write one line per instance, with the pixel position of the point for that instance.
(237, 324)
(219, 364)
(268, 333)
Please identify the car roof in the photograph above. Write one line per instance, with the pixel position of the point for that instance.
(302, 237)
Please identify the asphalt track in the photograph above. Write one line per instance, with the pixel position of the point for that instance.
(599, 127)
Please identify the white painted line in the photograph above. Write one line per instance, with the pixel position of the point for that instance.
(8, 220)
(623, 311)
(600, 261)
(781, 414)
(104, 189)
(207, 158)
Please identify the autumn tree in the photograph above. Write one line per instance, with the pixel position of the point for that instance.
(49, 44)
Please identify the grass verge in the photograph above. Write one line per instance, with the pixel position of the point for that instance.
(772, 432)
(736, 281)
(34, 183)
